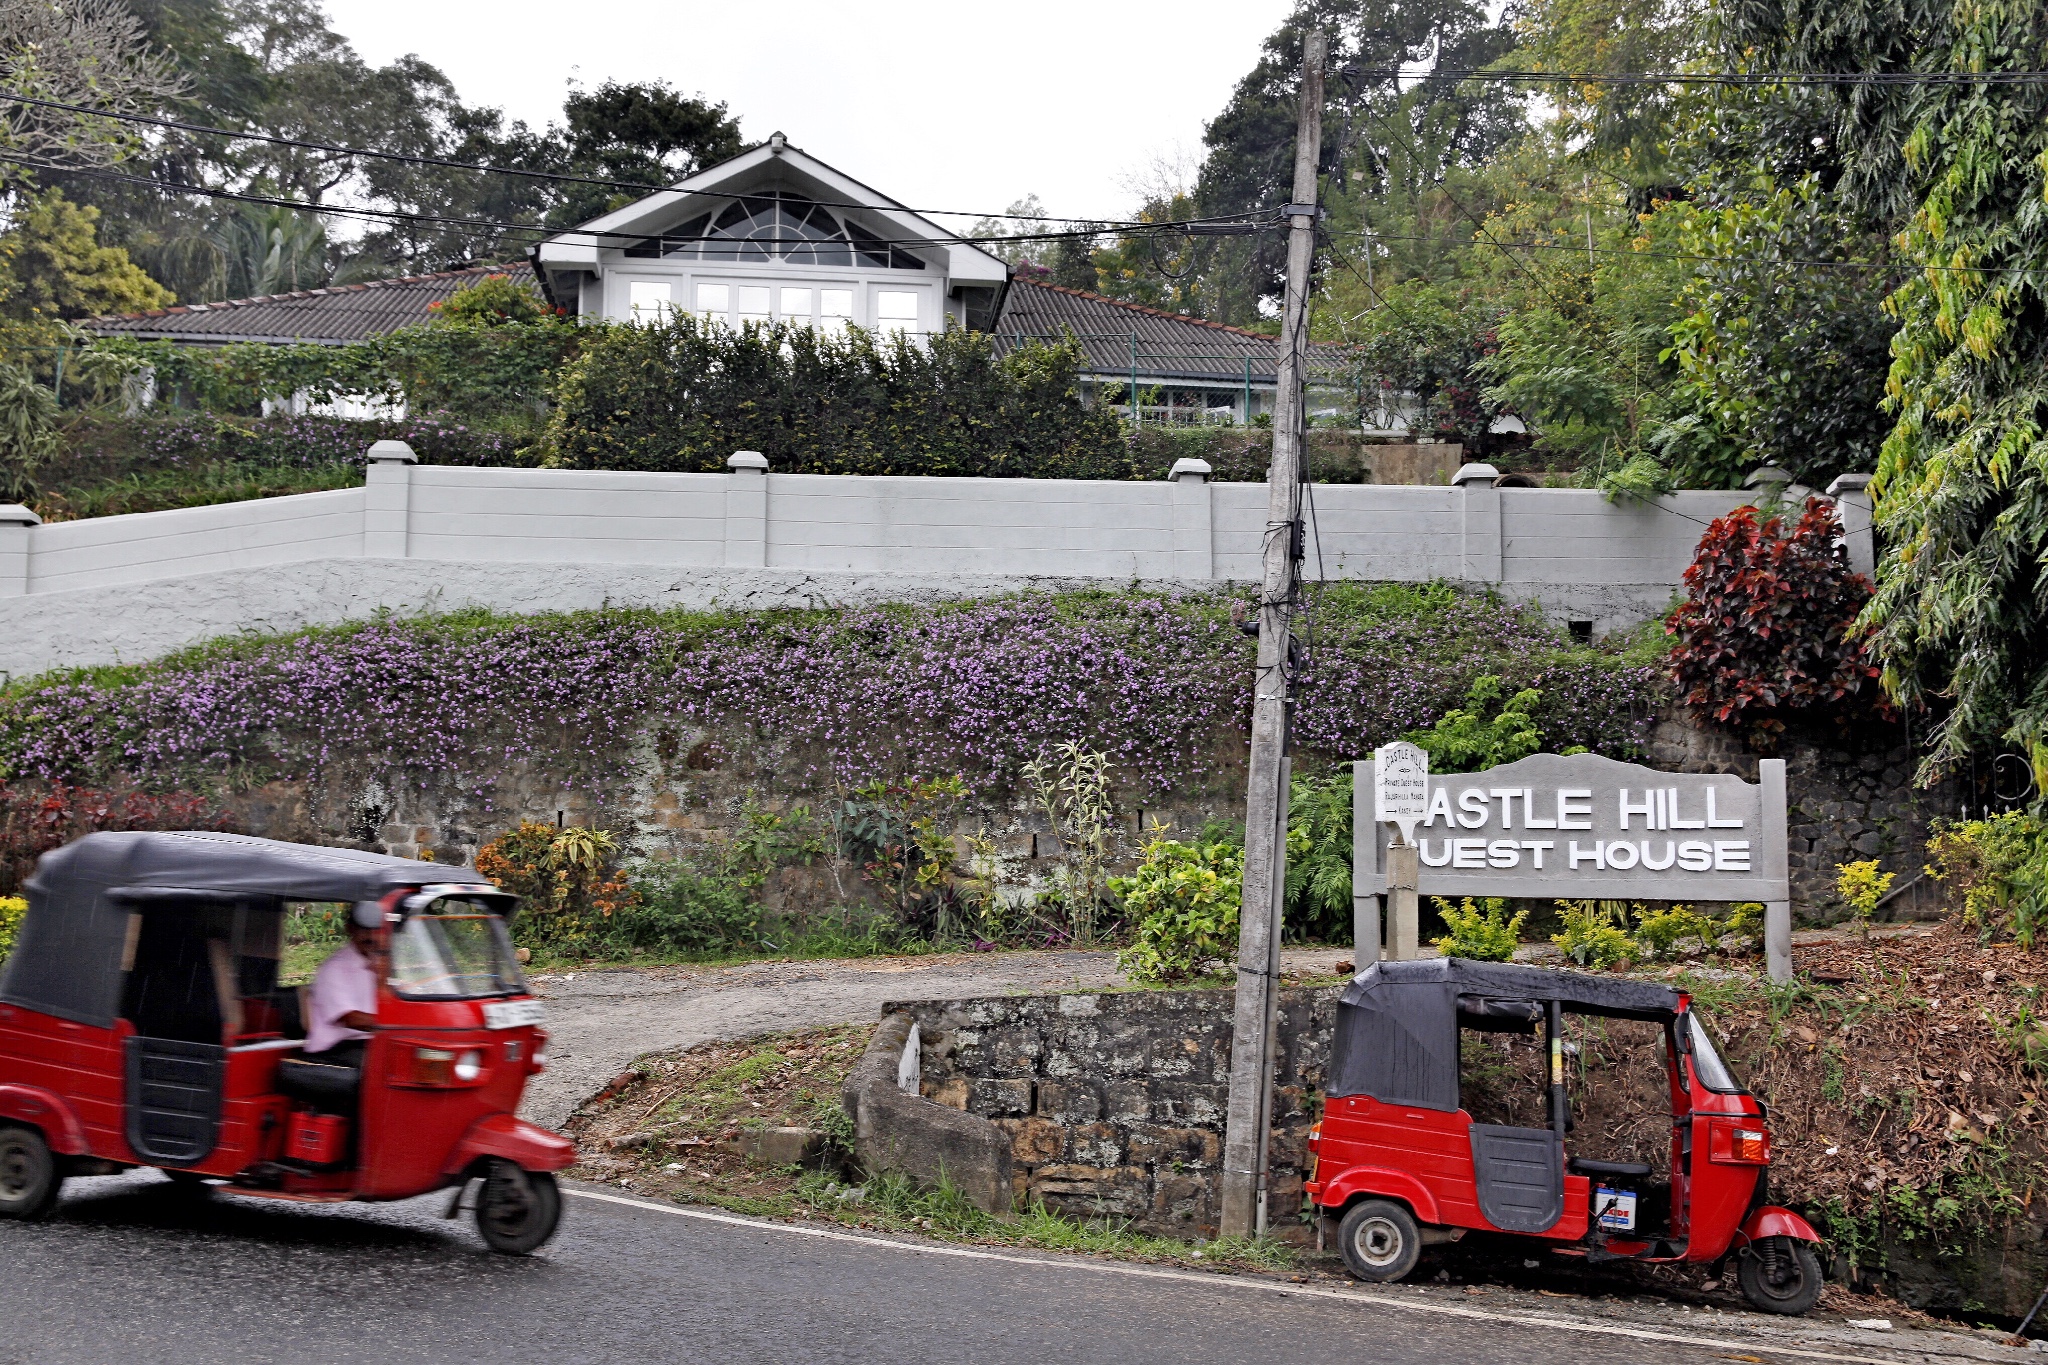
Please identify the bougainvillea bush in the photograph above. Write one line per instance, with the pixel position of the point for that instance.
(1767, 627)
(1161, 682)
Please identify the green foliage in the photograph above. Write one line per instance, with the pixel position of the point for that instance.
(493, 301)
(1960, 613)
(1184, 901)
(564, 881)
(1746, 923)
(1318, 904)
(679, 907)
(1594, 933)
(1479, 930)
(28, 431)
(1429, 341)
(1071, 786)
(53, 266)
(1862, 886)
(1995, 871)
(897, 833)
(1660, 932)
(13, 909)
(1467, 739)
(683, 395)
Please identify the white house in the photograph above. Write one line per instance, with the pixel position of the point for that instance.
(773, 235)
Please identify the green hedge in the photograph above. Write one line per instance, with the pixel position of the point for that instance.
(681, 396)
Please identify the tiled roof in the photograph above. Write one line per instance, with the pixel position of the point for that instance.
(1168, 345)
(338, 313)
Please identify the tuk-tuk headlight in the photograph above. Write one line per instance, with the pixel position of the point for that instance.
(469, 1066)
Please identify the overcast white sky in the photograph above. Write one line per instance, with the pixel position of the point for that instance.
(940, 105)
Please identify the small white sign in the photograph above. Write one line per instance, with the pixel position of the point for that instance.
(514, 1013)
(1617, 1209)
(1401, 787)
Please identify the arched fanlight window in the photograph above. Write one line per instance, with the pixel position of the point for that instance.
(774, 226)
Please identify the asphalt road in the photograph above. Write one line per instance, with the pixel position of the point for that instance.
(130, 1270)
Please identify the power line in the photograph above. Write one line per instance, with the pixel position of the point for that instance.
(1715, 78)
(1793, 262)
(539, 231)
(444, 163)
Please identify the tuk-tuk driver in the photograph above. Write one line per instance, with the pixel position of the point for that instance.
(342, 1004)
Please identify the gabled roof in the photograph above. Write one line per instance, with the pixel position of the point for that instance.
(774, 163)
(330, 316)
(1166, 345)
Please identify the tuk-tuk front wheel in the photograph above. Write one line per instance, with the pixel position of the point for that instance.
(1380, 1240)
(1779, 1275)
(29, 1179)
(517, 1209)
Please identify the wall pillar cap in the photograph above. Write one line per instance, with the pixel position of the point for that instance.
(747, 459)
(392, 451)
(14, 514)
(1849, 483)
(1185, 468)
(1767, 475)
(1474, 473)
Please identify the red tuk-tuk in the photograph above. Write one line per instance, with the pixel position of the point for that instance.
(141, 1024)
(1402, 1165)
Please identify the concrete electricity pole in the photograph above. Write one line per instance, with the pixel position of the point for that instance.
(1265, 849)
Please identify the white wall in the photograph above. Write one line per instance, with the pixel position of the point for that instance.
(437, 537)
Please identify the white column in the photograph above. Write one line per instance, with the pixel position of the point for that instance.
(1194, 543)
(746, 510)
(1366, 878)
(1851, 493)
(1480, 504)
(1770, 777)
(17, 532)
(387, 500)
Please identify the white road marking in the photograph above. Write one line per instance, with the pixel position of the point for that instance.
(1212, 1280)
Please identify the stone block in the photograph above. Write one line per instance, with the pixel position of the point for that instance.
(1188, 1104)
(1017, 1053)
(1092, 1191)
(1034, 1142)
(1096, 1144)
(1081, 1006)
(951, 1091)
(777, 1146)
(1000, 1098)
(909, 1135)
(1127, 1102)
(1070, 1101)
(1159, 1145)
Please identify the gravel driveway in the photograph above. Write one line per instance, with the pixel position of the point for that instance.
(599, 1021)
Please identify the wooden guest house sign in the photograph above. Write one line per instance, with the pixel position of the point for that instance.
(1552, 825)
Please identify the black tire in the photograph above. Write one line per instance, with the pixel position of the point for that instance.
(29, 1178)
(1779, 1275)
(1380, 1241)
(517, 1210)
(189, 1184)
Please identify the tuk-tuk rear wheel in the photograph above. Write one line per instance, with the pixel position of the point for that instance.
(29, 1179)
(1380, 1240)
(1779, 1275)
(517, 1210)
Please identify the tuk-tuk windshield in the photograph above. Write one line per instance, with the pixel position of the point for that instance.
(1707, 1063)
(455, 948)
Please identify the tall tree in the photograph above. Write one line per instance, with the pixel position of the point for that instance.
(91, 53)
(645, 133)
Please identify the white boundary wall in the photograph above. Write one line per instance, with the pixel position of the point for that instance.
(419, 538)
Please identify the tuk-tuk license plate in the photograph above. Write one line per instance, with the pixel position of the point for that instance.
(514, 1013)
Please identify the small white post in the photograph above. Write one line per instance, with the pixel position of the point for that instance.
(1366, 904)
(387, 499)
(1480, 507)
(17, 531)
(1194, 545)
(1851, 493)
(1776, 863)
(746, 510)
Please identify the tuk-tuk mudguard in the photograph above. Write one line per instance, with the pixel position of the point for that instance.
(1771, 1221)
(1382, 1181)
(526, 1145)
(48, 1114)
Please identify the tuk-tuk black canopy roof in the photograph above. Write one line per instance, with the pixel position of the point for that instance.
(67, 957)
(1397, 1022)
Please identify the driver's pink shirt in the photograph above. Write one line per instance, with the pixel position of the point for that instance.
(344, 984)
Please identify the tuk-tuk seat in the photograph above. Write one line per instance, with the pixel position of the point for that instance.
(328, 1087)
(1584, 1166)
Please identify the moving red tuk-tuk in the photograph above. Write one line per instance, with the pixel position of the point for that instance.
(1402, 1165)
(141, 1024)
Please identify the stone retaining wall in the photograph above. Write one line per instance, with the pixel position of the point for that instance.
(1114, 1103)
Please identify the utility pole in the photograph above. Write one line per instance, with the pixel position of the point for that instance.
(1265, 849)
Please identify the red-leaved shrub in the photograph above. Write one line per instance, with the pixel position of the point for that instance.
(37, 817)
(1767, 627)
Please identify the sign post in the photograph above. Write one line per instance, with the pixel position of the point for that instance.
(1400, 798)
(1572, 826)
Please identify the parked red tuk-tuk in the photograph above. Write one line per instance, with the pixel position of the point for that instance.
(1402, 1165)
(141, 1024)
